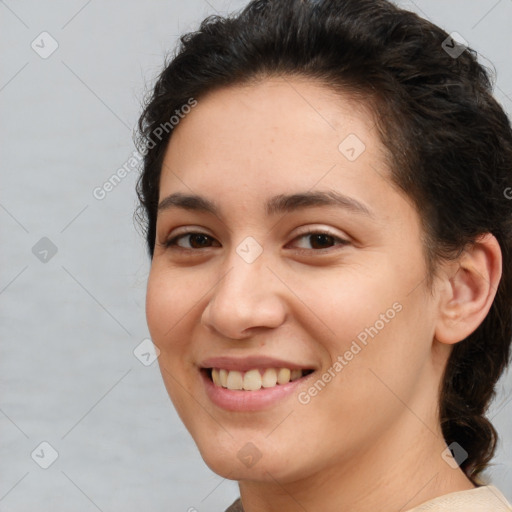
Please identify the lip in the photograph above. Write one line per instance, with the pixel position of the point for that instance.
(251, 401)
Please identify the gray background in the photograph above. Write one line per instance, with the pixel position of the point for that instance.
(69, 325)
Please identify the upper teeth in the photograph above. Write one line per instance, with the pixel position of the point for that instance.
(255, 379)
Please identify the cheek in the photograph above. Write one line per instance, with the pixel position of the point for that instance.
(384, 344)
(173, 302)
(381, 321)
(159, 308)
(356, 306)
(168, 301)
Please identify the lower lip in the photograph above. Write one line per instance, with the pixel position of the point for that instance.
(238, 400)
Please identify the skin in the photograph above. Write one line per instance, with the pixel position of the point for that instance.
(372, 435)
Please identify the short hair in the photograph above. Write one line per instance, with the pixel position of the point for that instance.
(448, 144)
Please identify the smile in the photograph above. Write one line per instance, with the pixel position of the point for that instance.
(254, 379)
(253, 383)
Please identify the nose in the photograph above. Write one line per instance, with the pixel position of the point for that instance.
(247, 298)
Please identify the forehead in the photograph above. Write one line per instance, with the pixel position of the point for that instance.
(282, 130)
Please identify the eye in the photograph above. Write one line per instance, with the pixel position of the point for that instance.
(319, 240)
(195, 241)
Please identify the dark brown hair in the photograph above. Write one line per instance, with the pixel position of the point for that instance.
(449, 145)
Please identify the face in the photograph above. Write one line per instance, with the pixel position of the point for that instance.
(300, 260)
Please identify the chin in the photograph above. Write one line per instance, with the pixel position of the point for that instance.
(251, 463)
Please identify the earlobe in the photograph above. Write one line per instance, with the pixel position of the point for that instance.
(468, 289)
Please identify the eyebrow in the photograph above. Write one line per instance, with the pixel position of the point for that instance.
(275, 205)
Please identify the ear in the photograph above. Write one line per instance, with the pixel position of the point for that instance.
(468, 286)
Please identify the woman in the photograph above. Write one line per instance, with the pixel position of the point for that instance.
(324, 196)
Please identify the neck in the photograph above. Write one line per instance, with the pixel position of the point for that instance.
(396, 473)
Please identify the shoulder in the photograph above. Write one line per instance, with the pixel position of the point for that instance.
(481, 499)
(236, 506)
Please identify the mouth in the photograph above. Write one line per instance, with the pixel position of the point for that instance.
(253, 383)
(254, 379)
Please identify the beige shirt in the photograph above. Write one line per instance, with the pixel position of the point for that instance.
(482, 499)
